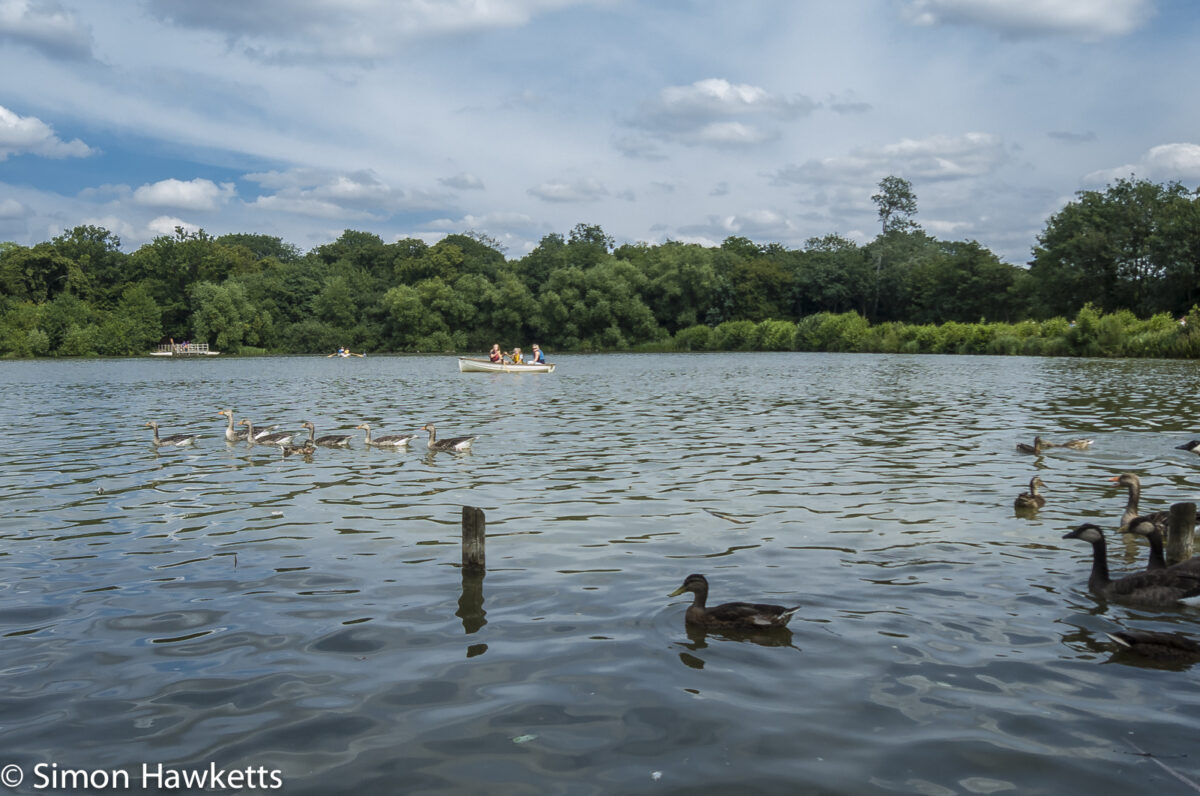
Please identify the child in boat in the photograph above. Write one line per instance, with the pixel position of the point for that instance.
(495, 354)
(516, 356)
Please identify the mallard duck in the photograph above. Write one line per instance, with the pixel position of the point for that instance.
(175, 440)
(386, 441)
(233, 435)
(1162, 587)
(275, 438)
(306, 448)
(329, 440)
(1134, 484)
(1192, 447)
(730, 616)
(455, 444)
(1031, 499)
(1077, 444)
(1036, 448)
(1157, 644)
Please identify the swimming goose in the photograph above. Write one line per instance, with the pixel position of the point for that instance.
(455, 444)
(1193, 446)
(1036, 448)
(1031, 499)
(276, 438)
(1145, 526)
(730, 616)
(387, 440)
(1157, 644)
(176, 440)
(233, 435)
(329, 440)
(1162, 587)
(1134, 484)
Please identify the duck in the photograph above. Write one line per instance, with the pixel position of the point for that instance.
(455, 444)
(274, 438)
(176, 440)
(329, 440)
(1160, 587)
(306, 448)
(1077, 444)
(1031, 499)
(1134, 484)
(386, 441)
(1157, 644)
(1036, 448)
(1191, 447)
(233, 435)
(730, 616)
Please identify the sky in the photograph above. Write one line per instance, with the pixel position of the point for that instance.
(685, 120)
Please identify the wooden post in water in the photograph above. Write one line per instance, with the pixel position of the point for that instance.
(473, 535)
(1179, 532)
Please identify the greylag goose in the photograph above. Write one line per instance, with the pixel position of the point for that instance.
(1031, 499)
(275, 438)
(730, 616)
(233, 435)
(387, 440)
(454, 444)
(1134, 484)
(329, 440)
(176, 440)
(1162, 587)
(1036, 448)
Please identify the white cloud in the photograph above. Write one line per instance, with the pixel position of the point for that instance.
(755, 224)
(1163, 162)
(28, 135)
(11, 208)
(46, 26)
(938, 157)
(197, 194)
(587, 189)
(165, 225)
(327, 194)
(1087, 19)
(463, 181)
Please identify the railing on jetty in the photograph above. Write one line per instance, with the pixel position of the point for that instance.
(184, 350)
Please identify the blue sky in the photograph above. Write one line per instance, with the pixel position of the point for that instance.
(683, 120)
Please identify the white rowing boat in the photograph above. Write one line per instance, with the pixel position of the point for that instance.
(468, 365)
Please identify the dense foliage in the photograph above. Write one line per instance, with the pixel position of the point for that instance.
(1105, 260)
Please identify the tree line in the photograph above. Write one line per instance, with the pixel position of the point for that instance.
(1121, 263)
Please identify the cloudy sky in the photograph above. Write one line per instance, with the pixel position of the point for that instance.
(686, 120)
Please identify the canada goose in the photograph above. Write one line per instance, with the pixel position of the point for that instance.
(730, 616)
(1145, 526)
(1192, 447)
(1134, 484)
(387, 440)
(1163, 587)
(454, 444)
(329, 440)
(174, 440)
(1031, 499)
(1157, 644)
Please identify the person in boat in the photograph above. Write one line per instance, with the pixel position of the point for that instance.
(496, 355)
(537, 357)
(516, 357)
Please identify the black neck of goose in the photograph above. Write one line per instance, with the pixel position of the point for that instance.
(1099, 577)
(1157, 559)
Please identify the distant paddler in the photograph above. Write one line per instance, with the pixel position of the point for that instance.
(344, 352)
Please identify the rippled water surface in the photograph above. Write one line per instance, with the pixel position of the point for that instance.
(224, 605)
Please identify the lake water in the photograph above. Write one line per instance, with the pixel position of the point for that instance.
(222, 606)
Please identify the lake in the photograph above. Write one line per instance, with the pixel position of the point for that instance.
(223, 607)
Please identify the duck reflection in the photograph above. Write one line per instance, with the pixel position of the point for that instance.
(698, 640)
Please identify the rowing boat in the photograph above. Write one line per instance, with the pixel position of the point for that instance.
(468, 365)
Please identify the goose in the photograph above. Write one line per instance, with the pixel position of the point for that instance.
(233, 435)
(455, 444)
(329, 440)
(1157, 644)
(1036, 448)
(1192, 447)
(730, 616)
(1031, 499)
(1134, 484)
(276, 438)
(1162, 587)
(176, 440)
(1145, 526)
(386, 441)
